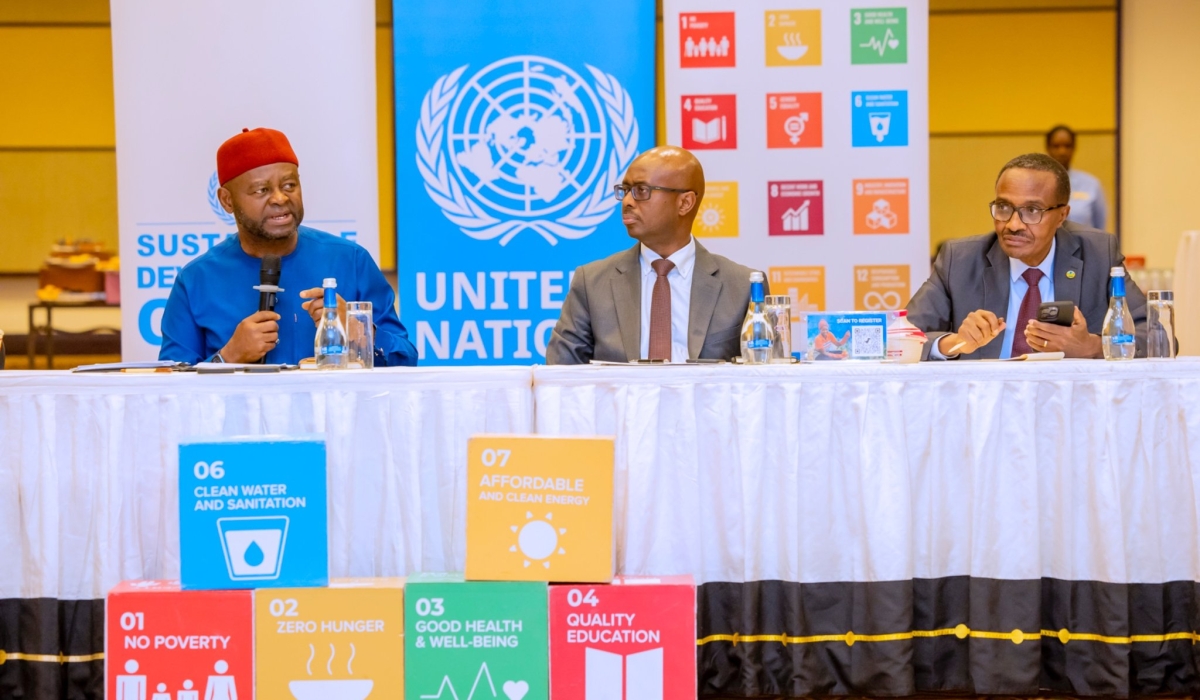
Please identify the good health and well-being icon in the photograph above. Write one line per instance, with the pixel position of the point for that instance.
(879, 35)
(253, 546)
(525, 143)
(879, 118)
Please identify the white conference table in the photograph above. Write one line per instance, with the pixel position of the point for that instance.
(873, 489)
(872, 529)
(94, 461)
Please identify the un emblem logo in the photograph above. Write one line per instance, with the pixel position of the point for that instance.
(525, 144)
(215, 204)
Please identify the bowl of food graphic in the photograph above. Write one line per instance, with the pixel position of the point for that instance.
(331, 689)
(792, 53)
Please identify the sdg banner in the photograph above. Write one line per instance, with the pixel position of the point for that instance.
(186, 77)
(813, 128)
(513, 123)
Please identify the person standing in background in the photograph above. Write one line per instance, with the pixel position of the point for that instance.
(1088, 206)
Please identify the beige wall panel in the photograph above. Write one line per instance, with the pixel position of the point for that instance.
(1008, 5)
(61, 78)
(45, 196)
(54, 11)
(962, 177)
(1160, 140)
(386, 134)
(1055, 67)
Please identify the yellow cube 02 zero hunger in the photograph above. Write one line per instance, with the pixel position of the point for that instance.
(344, 641)
(539, 509)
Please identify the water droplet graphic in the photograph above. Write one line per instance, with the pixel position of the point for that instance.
(254, 554)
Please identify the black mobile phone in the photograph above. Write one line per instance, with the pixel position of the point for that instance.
(1061, 313)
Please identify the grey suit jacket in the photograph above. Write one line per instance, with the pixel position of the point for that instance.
(601, 318)
(973, 273)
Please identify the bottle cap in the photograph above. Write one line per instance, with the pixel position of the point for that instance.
(1118, 271)
(330, 282)
(757, 276)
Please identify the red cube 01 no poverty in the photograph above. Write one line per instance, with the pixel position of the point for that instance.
(634, 639)
(161, 642)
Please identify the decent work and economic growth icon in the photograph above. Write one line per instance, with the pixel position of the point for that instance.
(795, 208)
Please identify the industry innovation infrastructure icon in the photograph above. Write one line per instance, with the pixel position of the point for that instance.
(525, 144)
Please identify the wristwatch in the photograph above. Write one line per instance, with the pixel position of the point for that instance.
(217, 358)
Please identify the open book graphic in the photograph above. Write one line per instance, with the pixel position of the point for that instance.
(710, 131)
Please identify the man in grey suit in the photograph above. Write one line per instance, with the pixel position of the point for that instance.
(979, 282)
(666, 298)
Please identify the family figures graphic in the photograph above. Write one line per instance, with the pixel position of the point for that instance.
(707, 46)
(132, 686)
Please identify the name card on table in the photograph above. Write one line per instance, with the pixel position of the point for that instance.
(345, 641)
(633, 639)
(539, 508)
(475, 639)
(161, 641)
(252, 513)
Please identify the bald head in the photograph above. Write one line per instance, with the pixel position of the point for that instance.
(663, 221)
(675, 165)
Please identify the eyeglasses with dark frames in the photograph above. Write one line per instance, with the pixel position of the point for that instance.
(1003, 211)
(641, 191)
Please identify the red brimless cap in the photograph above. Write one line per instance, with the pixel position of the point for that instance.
(253, 148)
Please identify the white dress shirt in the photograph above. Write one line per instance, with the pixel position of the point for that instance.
(680, 280)
(1016, 294)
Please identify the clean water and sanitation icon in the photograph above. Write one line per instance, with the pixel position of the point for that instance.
(525, 144)
(253, 546)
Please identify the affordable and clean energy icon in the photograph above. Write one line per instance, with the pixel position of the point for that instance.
(537, 540)
(253, 546)
(793, 47)
(881, 124)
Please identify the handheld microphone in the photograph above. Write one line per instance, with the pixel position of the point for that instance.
(268, 282)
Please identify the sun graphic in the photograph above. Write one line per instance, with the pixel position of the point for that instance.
(710, 219)
(537, 540)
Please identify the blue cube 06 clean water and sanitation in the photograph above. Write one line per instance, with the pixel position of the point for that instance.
(252, 513)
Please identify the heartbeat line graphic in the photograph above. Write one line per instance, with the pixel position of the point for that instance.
(446, 682)
(881, 46)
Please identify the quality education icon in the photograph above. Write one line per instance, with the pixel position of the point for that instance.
(525, 144)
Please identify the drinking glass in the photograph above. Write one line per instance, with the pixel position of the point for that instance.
(360, 333)
(1160, 324)
(778, 309)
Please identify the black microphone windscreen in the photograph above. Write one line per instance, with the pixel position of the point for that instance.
(269, 274)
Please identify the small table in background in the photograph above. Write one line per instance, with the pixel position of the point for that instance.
(48, 329)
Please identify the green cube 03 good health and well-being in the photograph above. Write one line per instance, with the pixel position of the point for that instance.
(480, 639)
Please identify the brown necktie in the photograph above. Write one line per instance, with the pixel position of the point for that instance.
(660, 311)
(1029, 311)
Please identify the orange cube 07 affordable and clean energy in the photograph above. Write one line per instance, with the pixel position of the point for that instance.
(539, 509)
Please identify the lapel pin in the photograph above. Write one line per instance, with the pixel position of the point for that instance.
(1070, 274)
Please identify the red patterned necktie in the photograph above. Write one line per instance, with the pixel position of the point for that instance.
(660, 311)
(1029, 310)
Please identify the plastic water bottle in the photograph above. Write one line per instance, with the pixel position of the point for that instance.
(330, 344)
(758, 333)
(1117, 336)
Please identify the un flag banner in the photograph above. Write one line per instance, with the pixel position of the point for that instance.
(513, 123)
